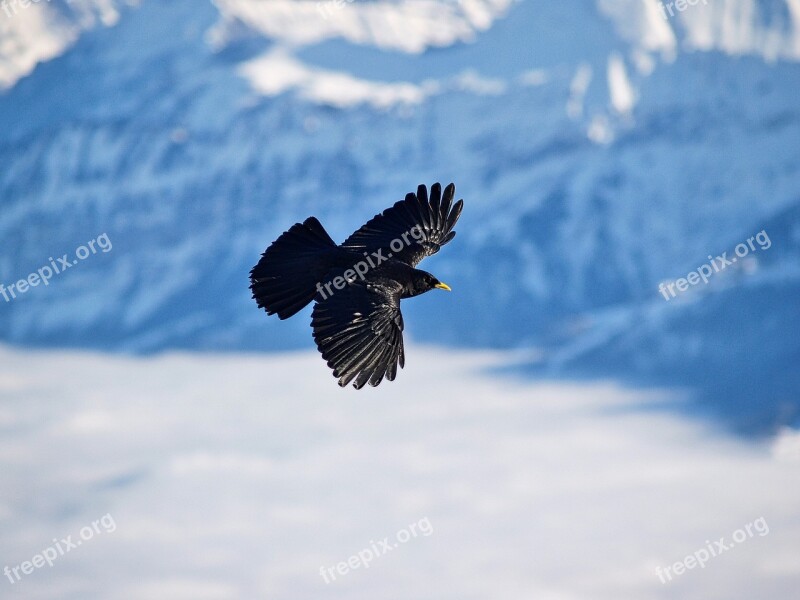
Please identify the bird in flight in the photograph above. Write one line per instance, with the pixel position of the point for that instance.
(357, 286)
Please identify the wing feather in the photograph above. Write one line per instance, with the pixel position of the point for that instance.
(433, 218)
(359, 331)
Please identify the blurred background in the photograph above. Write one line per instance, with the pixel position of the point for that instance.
(567, 425)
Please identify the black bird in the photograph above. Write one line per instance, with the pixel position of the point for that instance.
(358, 285)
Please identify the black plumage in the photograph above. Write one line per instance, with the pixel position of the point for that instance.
(357, 286)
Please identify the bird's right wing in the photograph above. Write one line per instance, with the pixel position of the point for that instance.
(359, 331)
(413, 228)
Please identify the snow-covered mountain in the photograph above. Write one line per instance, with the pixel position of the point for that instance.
(602, 148)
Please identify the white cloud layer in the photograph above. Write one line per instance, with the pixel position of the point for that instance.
(239, 476)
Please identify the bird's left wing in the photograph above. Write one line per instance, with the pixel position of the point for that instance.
(413, 228)
(359, 331)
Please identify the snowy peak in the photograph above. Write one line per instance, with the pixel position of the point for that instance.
(410, 26)
(594, 164)
(766, 28)
(41, 31)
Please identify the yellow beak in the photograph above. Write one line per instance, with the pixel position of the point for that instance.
(443, 286)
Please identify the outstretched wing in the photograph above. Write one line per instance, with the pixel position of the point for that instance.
(359, 331)
(413, 228)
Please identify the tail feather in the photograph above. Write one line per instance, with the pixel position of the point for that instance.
(285, 279)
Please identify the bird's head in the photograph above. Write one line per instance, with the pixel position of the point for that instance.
(425, 282)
